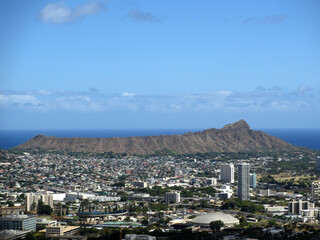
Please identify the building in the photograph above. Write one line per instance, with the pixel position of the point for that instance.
(47, 199)
(18, 222)
(275, 210)
(139, 237)
(59, 230)
(172, 197)
(253, 180)
(32, 201)
(203, 221)
(297, 207)
(13, 234)
(315, 191)
(140, 184)
(211, 181)
(44, 222)
(318, 164)
(225, 192)
(11, 210)
(227, 173)
(243, 181)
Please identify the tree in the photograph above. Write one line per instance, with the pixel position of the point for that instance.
(33, 207)
(215, 226)
(10, 204)
(145, 222)
(44, 209)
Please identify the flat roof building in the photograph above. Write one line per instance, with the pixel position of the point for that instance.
(59, 230)
(18, 222)
(172, 197)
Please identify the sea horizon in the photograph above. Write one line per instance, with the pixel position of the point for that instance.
(304, 137)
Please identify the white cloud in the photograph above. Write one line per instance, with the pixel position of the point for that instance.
(58, 13)
(16, 99)
(126, 94)
(258, 100)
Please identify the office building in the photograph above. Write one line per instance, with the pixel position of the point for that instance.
(59, 230)
(18, 222)
(297, 207)
(227, 173)
(32, 201)
(253, 180)
(211, 181)
(243, 181)
(318, 164)
(315, 191)
(172, 197)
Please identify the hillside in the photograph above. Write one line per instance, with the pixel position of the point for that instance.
(231, 138)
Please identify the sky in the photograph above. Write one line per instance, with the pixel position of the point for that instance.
(163, 64)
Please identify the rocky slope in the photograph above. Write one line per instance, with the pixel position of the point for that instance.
(231, 138)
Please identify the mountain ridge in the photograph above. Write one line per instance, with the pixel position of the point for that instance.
(233, 137)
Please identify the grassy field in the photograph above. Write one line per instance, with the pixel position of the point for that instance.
(285, 177)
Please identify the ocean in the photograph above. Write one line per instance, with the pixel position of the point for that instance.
(11, 138)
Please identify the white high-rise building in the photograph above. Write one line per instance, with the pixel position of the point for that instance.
(33, 199)
(227, 173)
(243, 181)
(315, 191)
(31, 202)
(172, 197)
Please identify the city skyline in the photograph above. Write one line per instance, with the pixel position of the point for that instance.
(157, 64)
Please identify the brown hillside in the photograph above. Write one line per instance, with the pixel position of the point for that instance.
(231, 138)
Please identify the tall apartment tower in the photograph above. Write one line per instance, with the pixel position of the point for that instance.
(253, 180)
(315, 191)
(33, 199)
(318, 164)
(31, 202)
(172, 197)
(227, 173)
(47, 199)
(243, 181)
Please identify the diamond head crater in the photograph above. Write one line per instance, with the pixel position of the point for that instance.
(234, 137)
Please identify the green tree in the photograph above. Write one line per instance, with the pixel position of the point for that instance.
(145, 222)
(215, 226)
(44, 209)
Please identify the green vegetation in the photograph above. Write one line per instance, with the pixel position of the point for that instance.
(244, 206)
(43, 209)
(215, 226)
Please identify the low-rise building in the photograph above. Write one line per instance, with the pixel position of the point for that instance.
(59, 230)
(139, 237)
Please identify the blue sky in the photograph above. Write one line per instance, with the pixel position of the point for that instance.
(80, 64)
